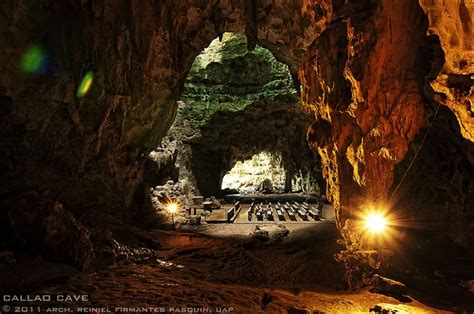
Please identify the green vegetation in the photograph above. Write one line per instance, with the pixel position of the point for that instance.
(226, 76)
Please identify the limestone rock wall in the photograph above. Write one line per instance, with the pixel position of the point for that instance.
(360, 80)
(360, 77)
(451, 22)
(89, 151)
(237, 103)
(276, 126)
(438, 190)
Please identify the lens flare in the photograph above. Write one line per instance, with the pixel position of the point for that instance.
(375, 222)
(85, 85)
(172, 208)
(33, 60)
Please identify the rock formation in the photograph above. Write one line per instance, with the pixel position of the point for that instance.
(237, 103)
(359, 62)
(140, 54)
(259, 127)
(360, 80)
(367, 83)
(452, 24)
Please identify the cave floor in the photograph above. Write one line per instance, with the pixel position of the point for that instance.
(223, 272)
(170, 287)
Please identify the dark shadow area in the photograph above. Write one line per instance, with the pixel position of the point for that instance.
(436, 270)
(434, 205)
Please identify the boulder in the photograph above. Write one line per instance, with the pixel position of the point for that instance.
(260, 234)
(388, 286)
(45, 228)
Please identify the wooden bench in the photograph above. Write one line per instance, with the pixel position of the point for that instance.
(313, 213)
(229, 214)
(280, 214)
(270, 215)
(291, 215)
(303, 214)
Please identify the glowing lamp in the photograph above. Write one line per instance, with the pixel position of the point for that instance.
(375, 222)
(172, 208)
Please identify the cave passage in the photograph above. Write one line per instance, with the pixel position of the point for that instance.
(239, 138)
(260, 173)
(252, 156)
(237, 104)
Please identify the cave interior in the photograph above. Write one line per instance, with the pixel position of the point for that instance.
(309, 156)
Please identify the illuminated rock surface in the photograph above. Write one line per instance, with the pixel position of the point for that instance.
(452, 24)
(371, 72)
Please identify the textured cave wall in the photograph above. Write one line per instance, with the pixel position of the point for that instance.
(74, 149)
(445, 166)
(452, 23)
(437, 194)
(88, 152)
(433, 186)
(226, 71)
(367, 82)
(227, 76)
(368, 79)
(237, 103)
(360, 80)
(266, 125)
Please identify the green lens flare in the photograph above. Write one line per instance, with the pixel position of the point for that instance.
(85, 85)
(32, 60)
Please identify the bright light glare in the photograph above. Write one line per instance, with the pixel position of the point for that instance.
(172, 208)
(375, 222)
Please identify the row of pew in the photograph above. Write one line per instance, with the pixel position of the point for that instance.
(267, 211)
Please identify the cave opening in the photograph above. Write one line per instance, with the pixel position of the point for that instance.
(236, 104)
(263, 173)
(239, 137)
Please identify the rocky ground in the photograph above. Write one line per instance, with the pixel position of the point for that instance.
(171, 270)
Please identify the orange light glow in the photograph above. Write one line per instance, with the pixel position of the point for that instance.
(375, 222)
(172, 208)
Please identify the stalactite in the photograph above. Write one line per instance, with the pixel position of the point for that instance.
(251, 28)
